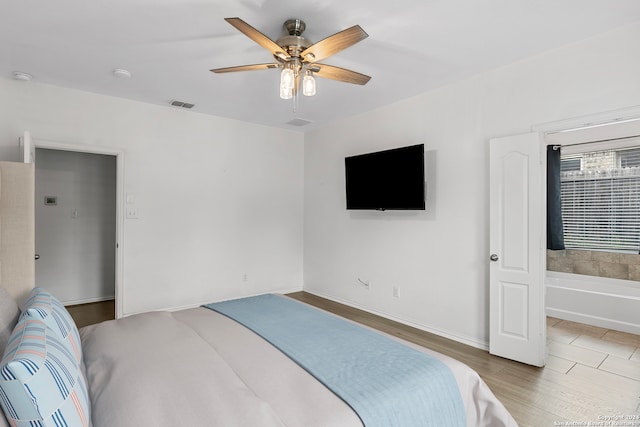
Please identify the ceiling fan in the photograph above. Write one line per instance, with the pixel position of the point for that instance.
(298, 57)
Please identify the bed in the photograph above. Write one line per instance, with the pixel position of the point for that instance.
(195, 367)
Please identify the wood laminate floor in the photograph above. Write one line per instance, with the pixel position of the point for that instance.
(94, 312)
(592, 373)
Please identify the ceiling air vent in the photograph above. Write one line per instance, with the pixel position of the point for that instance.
(181, 104)
(298, 122)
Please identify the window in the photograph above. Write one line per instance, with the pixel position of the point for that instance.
(600, 193)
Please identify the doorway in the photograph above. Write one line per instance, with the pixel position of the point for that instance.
(79, 222)
(517, 270)
(75, 225)
(591, 282)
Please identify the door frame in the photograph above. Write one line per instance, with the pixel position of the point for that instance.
(119, 155)
(587, 121)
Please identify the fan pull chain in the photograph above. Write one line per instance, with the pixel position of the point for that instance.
(296, 86)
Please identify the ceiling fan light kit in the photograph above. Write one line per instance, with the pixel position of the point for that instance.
(298, 57)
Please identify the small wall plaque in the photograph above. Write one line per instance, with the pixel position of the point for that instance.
(50, 200)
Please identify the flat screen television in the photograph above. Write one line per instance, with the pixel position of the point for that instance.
(391, 179)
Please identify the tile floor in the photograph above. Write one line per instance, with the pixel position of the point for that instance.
(595, 354)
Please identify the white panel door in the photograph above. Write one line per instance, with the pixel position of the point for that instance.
(17, 235)
(517, 242)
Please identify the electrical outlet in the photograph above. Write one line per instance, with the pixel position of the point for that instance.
(132, 212)
(245, 277)
(396, 291)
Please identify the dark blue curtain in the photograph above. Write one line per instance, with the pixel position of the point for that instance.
(555, 234)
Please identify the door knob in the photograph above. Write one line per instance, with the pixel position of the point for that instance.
(37, 256)
(493, 257)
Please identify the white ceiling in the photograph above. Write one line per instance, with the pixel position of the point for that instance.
(169, 46)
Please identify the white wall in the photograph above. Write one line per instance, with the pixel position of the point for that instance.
(219, 198)
(216, 198)
(439, 258)
(76, 237)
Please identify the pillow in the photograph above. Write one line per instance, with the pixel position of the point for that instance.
(43, 306)
(9, 313)
(41, 381)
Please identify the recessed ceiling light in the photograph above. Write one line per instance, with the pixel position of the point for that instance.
(121, 73)
(19, 75)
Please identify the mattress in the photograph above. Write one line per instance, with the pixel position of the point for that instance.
(197, 367)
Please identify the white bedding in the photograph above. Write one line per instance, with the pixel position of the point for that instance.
(198, 368)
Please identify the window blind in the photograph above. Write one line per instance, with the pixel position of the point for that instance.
(600, 193)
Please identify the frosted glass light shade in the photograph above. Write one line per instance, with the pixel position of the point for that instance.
(287, 83)
(308, 85)
(286, 93)
(287, 78)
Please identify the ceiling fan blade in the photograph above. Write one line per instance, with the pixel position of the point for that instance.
(258, 37)
(334, 44)
(245, 68)
(340, 74)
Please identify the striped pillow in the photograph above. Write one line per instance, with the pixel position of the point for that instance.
(43, 306)
(41, 381)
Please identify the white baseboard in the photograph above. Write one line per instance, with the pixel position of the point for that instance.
(198, 304)
(436, 331)
(88, 300)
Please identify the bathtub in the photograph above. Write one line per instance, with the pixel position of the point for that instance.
(597, 301)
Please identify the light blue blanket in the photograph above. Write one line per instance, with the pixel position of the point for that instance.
(386, 383)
